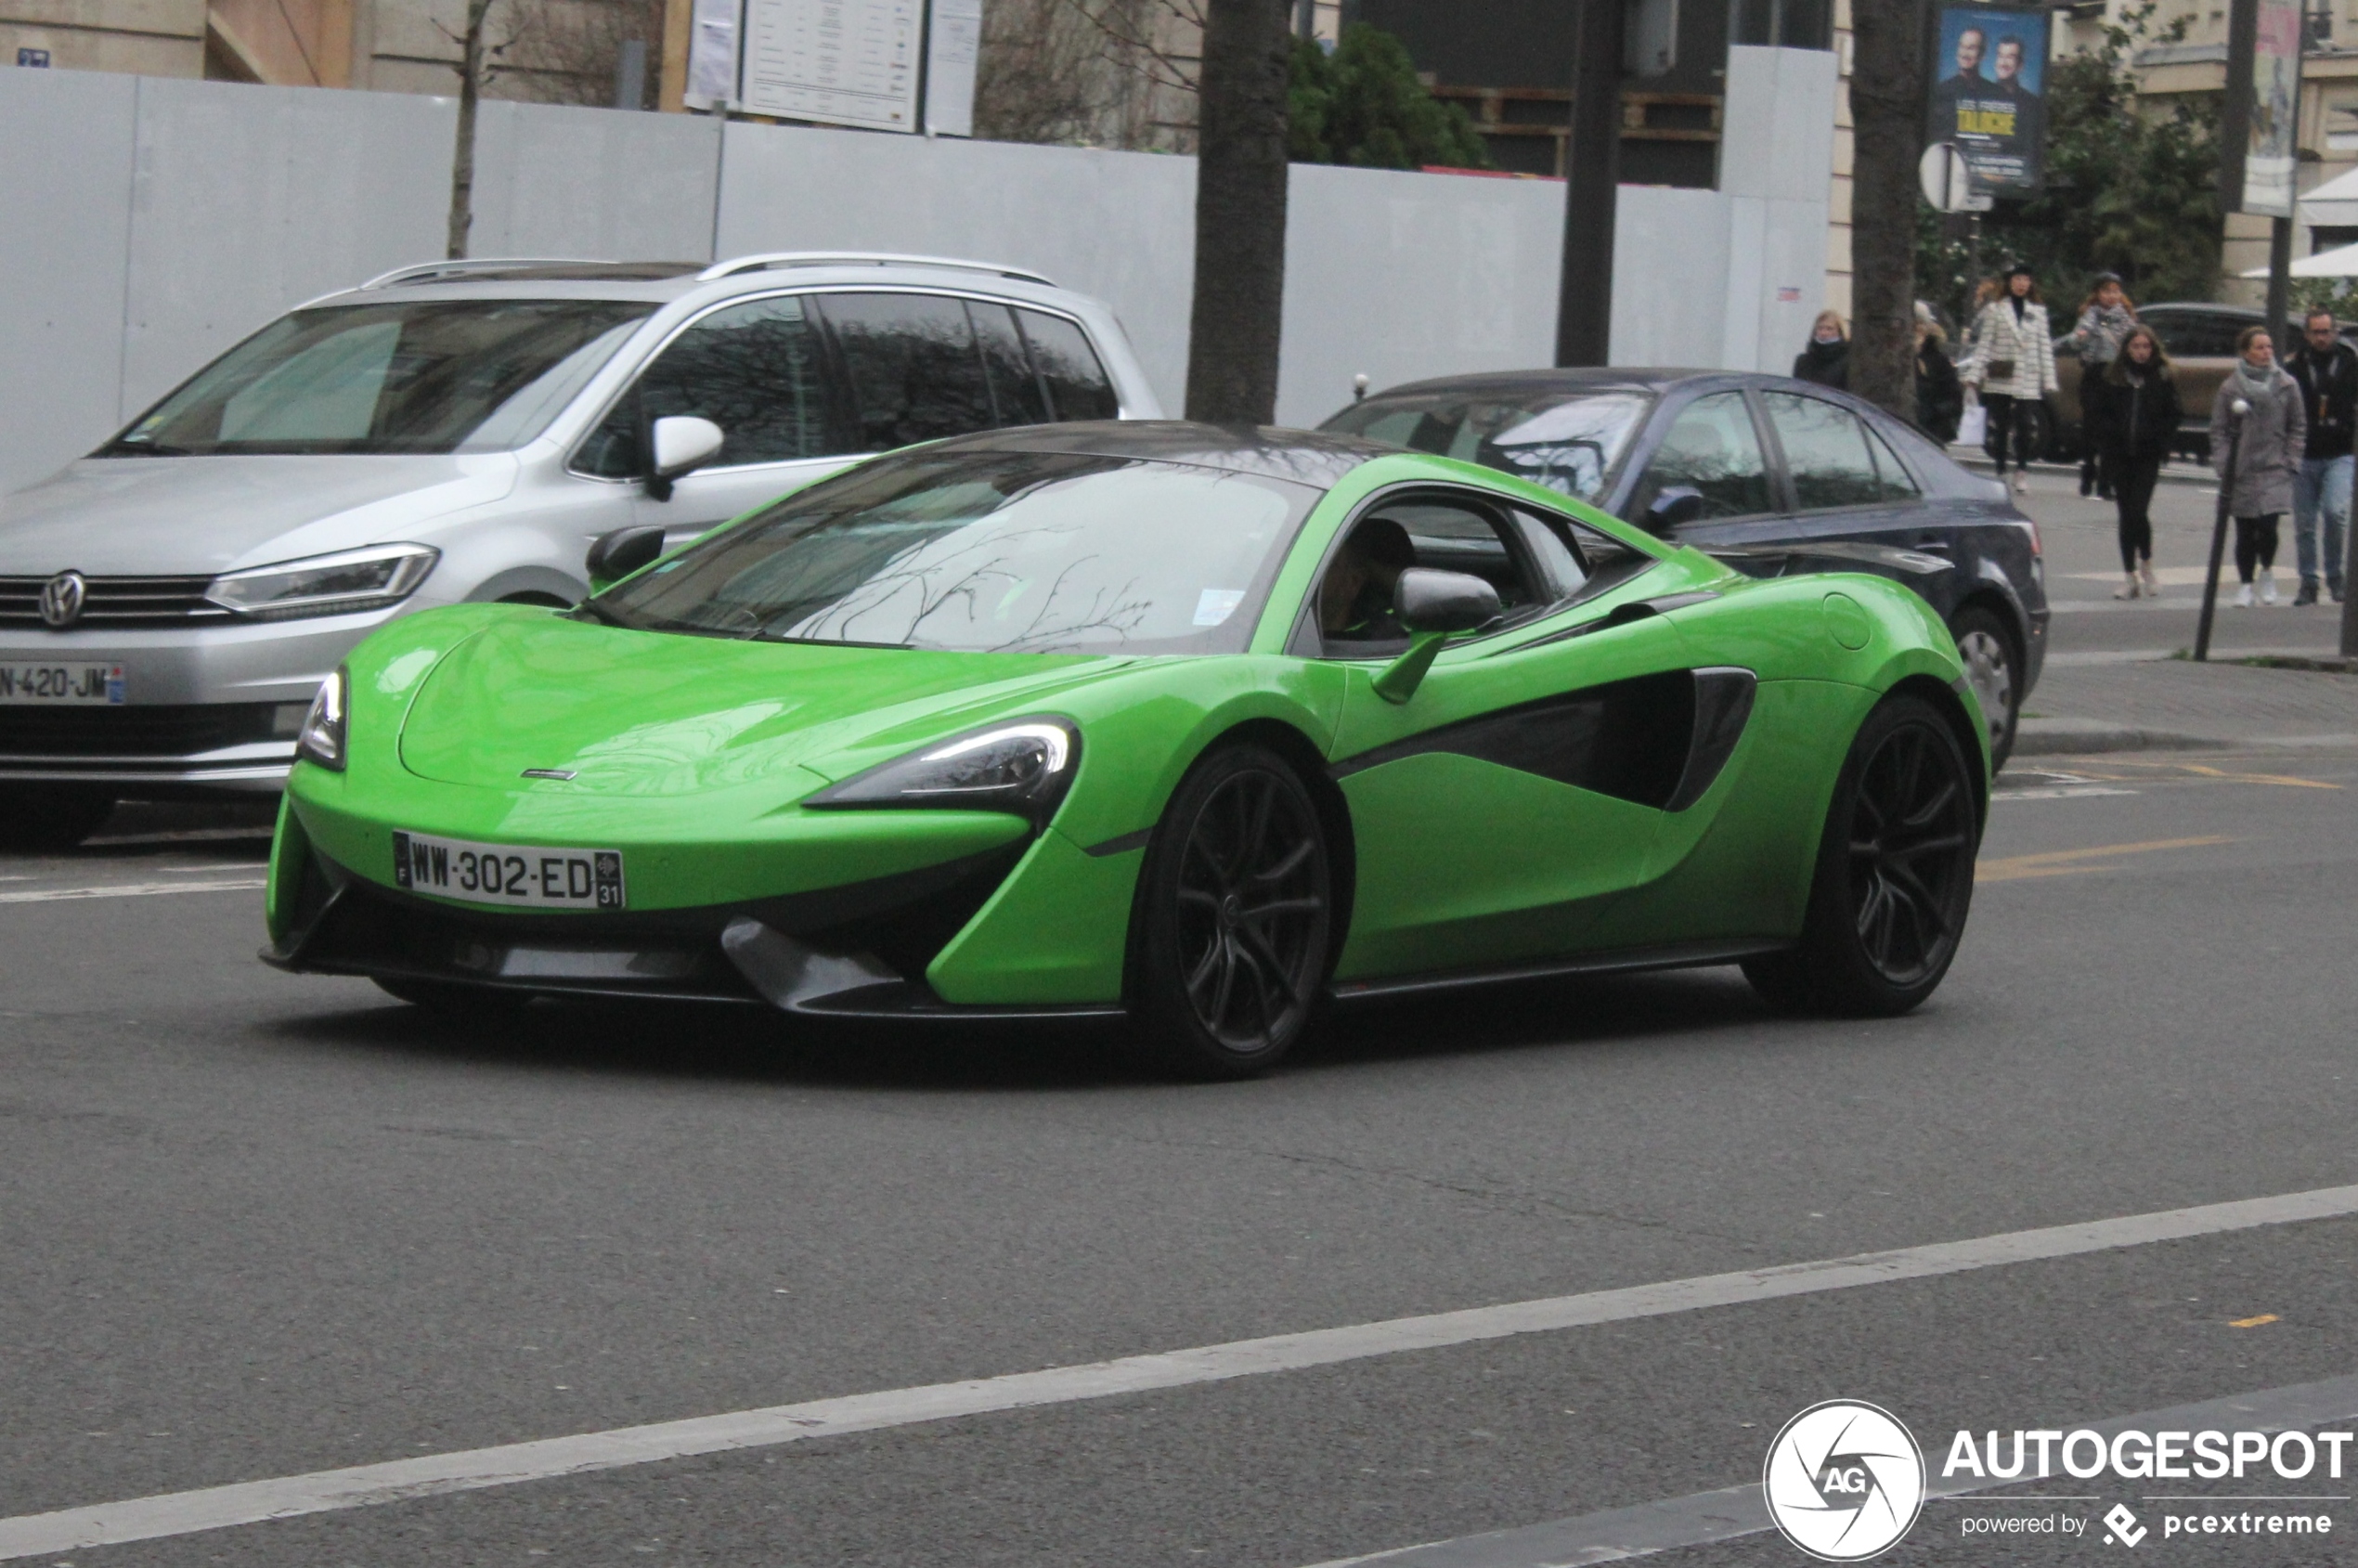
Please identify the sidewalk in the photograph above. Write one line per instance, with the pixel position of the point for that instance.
(2168, 703)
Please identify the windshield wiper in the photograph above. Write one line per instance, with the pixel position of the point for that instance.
(825, 642)
(143, 449)
(589, 609)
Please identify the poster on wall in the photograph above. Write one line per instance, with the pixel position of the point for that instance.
(1989, 82)
(841, 62)
(712, 55)
(953, 45)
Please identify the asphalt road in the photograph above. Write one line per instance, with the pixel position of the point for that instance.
(258, 1225)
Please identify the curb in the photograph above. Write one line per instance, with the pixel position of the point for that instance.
(2079, 737)
(2177, 471)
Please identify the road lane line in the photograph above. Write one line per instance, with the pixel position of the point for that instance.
(130, 890)
(2069, 862)
(1673, 1523)
(253, 1502)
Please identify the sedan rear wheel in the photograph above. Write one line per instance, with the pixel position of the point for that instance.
(1994, 673)
(1895, 873)
(1232, 938)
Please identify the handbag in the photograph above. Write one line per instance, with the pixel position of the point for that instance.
(1997, 370)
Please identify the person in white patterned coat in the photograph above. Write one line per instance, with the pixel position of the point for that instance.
(2014, 365)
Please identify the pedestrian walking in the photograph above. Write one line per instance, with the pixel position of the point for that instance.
(2105, 316)
(2014, 366)
(2131, 415)
(2326, 369)
(1940, 398)
(2268, 455)
(1827, 359)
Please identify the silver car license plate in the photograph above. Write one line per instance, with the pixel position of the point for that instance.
(518, 875)
(61, 685)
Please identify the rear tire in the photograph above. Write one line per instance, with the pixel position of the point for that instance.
(1232, 938)
(49, 818)
(1993, 669)
(1894, 881)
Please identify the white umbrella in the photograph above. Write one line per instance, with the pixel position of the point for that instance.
(2342, 262)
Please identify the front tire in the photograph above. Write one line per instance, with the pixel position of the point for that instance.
(1993, 669)
(1232, 938)
(47, 819)
(1894, 880)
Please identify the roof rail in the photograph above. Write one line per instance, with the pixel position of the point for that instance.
(768, 260)
(462, 267)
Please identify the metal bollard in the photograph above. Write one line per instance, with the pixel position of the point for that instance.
(2237, 409)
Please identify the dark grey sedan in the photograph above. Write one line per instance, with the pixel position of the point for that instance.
(1776, 475)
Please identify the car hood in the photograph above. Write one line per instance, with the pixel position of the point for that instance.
(655, 714)
(186, 516)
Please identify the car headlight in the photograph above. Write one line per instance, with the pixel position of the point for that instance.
(321, 737)
(1022, 765)
(326, 585)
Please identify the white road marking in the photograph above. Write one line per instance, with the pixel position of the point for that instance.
(1732, 1512)
(253, 1502)
(2061, 792)
(130, 890)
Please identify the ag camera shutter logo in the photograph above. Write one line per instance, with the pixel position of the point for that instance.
(1844, 1481)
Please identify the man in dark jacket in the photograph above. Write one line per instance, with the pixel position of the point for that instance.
(2326, 369)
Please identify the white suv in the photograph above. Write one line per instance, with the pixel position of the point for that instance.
(463, 431)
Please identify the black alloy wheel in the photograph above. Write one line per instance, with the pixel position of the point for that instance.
(1233, 935)
(1895, 873)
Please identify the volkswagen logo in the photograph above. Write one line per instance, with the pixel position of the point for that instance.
(61, 599)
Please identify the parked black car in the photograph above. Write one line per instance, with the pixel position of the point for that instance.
(1776, 475)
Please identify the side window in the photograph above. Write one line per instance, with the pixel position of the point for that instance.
(751, 368)
(914, 370)
(1893, 482)
(1825, 451)
(1015, 391)
(1712, 447)
(1078, 386)
(1355, 599)
(1557, 550)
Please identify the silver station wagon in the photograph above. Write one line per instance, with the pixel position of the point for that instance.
(465, 431)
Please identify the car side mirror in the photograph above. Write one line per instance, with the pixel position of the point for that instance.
(1432, 605)
(613, 556)
(680, 444)
(1445, 602)
(1677, 504)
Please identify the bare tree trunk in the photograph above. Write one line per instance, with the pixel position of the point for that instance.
(1887, 110)
(1240, 213)
(462, 160)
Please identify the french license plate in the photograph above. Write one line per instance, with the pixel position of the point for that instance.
(508, 873)
(61, 685)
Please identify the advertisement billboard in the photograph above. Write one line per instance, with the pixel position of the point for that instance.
(1989, 82)
(2269, 152)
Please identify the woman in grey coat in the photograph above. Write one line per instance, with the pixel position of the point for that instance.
(2268, 452)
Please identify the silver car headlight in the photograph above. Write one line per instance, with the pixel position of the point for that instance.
(1023, 766)
(321, 738)
(341, 584)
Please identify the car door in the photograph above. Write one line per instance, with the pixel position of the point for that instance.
(756, 368)
(1498, 811)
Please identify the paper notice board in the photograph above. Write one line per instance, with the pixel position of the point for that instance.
(844, 62)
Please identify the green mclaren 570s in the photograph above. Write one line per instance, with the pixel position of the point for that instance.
(1208, 728)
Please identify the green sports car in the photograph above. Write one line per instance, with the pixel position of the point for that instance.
(1205, 727)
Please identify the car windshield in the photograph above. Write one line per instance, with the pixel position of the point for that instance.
(439, 376)
(988, 551)
(1570, 442)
